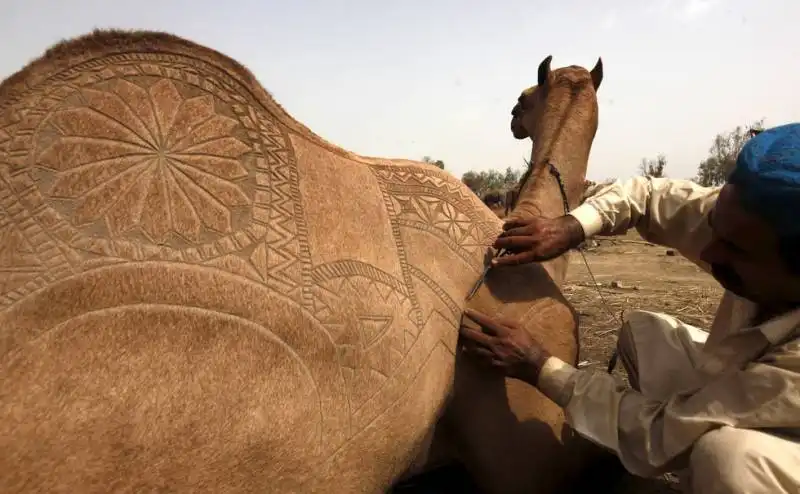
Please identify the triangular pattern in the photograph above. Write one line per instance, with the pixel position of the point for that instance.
(326, 304)
(336, 285)
(408, 340)
(236, 265)
(15, 251)
(372, 328)
(19, 263)
(403, 204)
(438, 203)
(359, 313)
(384, 290)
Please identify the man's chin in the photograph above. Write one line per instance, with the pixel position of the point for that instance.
(736, 290)
(729, 280)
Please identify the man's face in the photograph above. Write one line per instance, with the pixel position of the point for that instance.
(744, 254)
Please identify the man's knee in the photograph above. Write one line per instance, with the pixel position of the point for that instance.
(626, 347)
(634, 322)
(733, 461)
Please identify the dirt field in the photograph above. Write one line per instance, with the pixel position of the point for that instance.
(633, 274)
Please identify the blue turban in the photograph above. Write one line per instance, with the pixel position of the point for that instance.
(767, 175)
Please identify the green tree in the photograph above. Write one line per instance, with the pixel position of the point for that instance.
(474, 181)
(715, 169)
(484, 181)
(653, 167)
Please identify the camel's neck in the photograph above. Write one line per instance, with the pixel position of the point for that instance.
(564, 141)
(565, 144)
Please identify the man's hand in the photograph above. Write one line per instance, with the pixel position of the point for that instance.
(537, 239)
(504, 345)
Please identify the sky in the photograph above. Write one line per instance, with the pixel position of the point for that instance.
(406, 79)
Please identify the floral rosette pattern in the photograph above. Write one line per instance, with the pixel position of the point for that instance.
(147, 159)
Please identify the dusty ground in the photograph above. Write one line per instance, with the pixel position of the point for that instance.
(632, 274)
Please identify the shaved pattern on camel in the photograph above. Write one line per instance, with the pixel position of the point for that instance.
(156, 188)
(425, 201)
(195, 174)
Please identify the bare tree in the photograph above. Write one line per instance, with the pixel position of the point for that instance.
(431, 161)
(653, 167)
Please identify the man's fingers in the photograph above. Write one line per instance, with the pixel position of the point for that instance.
(515, 259)
(489, 325)
(514, 243)
(514, 223)
(479, 351)
(485, 356)
(498, 364)
(475, 336)
(519, 231)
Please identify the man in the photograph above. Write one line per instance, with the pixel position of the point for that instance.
(723, 406)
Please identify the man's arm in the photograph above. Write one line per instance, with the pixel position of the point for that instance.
(664, 211)
(651, 437)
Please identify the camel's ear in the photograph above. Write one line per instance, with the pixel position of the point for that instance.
(597, 73)
(544, 70)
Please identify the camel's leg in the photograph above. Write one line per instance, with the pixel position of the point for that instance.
(510, 436)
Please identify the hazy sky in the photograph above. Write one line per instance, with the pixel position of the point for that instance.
(439, 77)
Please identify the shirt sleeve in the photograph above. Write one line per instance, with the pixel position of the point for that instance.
(652, 437)
(668, 212)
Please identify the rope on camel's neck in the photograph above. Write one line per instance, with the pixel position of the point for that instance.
(554, 171)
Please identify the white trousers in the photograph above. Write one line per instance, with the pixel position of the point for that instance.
(725, 460)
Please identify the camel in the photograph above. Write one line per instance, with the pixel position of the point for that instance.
(193, 300)
(509, 436)
(493, 199)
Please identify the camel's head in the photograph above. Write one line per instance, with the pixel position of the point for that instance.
(530, 106)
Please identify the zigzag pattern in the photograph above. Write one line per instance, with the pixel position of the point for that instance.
(278, 256)
(416, 177)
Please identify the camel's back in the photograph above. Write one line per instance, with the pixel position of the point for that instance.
(198, 293)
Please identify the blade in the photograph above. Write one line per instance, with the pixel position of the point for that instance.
(482, 279)
(479, 282)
